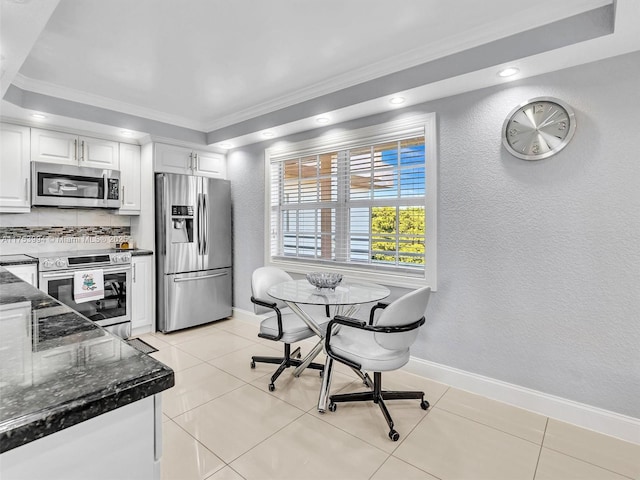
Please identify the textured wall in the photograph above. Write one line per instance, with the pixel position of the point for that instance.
(539, 262)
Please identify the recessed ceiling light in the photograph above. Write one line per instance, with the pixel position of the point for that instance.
(322, 120)
(225, 145)
(39, 116)
(397, 100)
(268, 134)
(126, 133)
(507, 72)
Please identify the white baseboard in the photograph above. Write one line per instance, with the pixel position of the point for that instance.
(592, 418)
(586, 416)
(246, 315)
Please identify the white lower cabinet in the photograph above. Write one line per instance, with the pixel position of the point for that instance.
(15, 173)
(142, 308)
(122, 443)
(15, 346)
(28, 273)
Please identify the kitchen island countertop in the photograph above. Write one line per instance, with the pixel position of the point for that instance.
(58, 369)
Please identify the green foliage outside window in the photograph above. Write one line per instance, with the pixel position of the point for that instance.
(409, 238)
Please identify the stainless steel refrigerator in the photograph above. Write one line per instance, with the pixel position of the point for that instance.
(193, 245)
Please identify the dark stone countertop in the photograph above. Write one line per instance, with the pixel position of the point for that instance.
(57, 368)
(138, 252)
(17, 259)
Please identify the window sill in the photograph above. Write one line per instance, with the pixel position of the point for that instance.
(354, 274)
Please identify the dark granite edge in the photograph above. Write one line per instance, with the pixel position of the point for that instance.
(79, 410)
(140, 253)
(4, 263)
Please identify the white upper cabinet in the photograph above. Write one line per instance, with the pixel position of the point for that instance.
(15, 174)
(129, 179)
(70, 149)
(174, 159)
(211, 164)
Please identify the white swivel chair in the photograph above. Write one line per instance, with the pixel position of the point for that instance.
(282, 325)
(378, 346)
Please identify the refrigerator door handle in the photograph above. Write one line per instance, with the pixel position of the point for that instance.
(199, 223)
(164, 220)
(191, 279)
(205, 223)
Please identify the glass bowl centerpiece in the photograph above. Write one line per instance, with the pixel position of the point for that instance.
(324, 279)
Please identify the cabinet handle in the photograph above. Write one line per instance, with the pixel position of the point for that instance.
(26, 190)
(75, 150)
(134, 273)
(197, 161)
(123, 194)
(191, 161)
(82, 149)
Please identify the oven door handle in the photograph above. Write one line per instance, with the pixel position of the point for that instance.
(69, 273)
(189, 279)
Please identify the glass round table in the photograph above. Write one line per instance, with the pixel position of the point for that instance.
(345, 299)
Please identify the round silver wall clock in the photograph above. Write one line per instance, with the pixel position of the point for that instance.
(538, 128)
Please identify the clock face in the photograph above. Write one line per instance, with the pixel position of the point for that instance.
(538, 128)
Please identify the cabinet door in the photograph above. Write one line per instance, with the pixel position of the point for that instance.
(95, 152)
(211, 164)
(15, 344)
(14, 169)
(172, 159)
(142, 315)
(54, 147)
(28, 273)
(130, 179)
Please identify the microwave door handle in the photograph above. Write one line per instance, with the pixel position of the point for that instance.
(105, 193)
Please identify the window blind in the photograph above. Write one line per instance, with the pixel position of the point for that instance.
(362, 202)
(360, 205)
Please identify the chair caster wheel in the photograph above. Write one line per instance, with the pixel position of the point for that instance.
(332, 407)
(272, 387)
(253, 364)
(393, 435)
(424, 404)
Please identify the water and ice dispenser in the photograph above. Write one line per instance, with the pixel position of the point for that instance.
(181, 224)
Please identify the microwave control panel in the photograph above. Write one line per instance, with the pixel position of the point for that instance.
(113, 189)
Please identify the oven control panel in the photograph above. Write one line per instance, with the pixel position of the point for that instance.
(90, 261)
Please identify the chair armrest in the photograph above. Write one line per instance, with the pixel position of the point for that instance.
(380, 305)
(262, 303)
(274, 307)
(354, 323)
(348, 322)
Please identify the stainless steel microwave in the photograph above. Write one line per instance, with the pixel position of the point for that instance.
(54, 185)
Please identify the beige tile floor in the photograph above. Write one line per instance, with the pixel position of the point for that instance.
(222, 423)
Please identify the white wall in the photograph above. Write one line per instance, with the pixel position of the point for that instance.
(539, 262)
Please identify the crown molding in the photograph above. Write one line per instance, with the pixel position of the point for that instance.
(444, 47)
(449, 45)
(65, 93)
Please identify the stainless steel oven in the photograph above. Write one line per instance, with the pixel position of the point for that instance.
(113, 312)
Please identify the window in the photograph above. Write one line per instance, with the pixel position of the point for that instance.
(362, 203)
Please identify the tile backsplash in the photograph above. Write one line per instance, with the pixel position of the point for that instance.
(54, 229)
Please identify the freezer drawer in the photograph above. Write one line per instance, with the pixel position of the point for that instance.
(195, 298)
